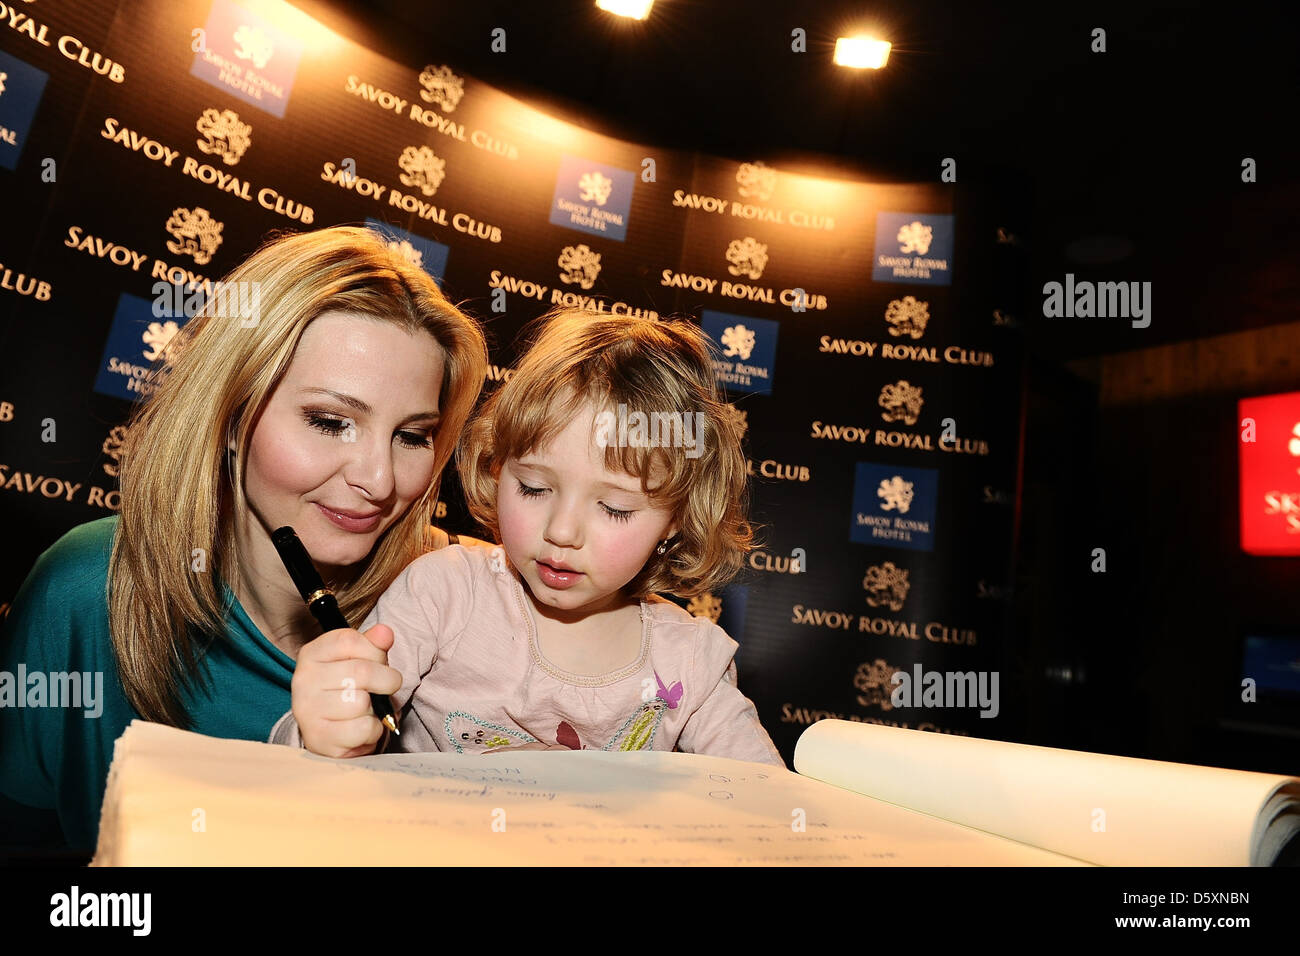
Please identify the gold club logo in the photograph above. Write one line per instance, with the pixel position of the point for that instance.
(705, 605)
(887, 585)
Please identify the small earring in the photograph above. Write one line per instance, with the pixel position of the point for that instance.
(663, 546)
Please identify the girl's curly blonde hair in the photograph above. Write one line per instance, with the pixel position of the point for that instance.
(655, 367)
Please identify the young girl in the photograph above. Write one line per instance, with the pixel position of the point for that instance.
(608, 469)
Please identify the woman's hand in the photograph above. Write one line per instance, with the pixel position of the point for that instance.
(332, 683)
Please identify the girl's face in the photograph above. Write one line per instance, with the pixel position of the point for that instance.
(346, 442)
(575, 531)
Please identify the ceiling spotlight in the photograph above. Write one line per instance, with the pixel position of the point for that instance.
(636, 9)
(861, 53)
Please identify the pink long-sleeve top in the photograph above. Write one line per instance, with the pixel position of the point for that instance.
(474, 679)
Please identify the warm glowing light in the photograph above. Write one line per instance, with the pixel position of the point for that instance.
(315, 36)
(636, 9)
(862, 53)
(548, 129)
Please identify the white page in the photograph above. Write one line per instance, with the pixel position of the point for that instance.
(1115, 811)
(268, 805)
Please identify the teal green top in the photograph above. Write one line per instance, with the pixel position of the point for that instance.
(57, 757)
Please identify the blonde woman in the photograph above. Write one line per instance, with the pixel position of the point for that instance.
(333, 409)
(608, 468)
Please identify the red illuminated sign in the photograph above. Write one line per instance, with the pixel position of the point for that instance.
(1269, 438)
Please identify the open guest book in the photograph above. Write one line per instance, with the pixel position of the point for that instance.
(863, 794)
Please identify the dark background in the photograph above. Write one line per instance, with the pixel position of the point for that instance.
(1132, 162)
(795, 671)
(1133, 159)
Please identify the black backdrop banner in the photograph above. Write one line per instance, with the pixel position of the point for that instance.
(867, 329)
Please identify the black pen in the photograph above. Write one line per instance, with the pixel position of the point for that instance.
(321, 602)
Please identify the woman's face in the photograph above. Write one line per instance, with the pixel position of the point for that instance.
(346, 442)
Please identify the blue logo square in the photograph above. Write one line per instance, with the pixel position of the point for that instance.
(135, 342)
(894, 507)
(913, 247)
(592, 197)
(246, 56)
(744, 357)
(21, 86)
(428, 255)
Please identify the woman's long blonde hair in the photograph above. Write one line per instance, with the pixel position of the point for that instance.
(178, 494)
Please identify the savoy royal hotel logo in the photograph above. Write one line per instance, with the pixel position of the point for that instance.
(894, 507)
(21, 86)
(913, 247)
(744, 358)
(1269, 462)
(592, 197)
(425, 253)
(246, 56)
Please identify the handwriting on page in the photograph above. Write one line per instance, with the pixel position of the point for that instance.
(684, 844)
(413, 765)
(726, 794)
(609, 812)
(640, 808)
(277, 804)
